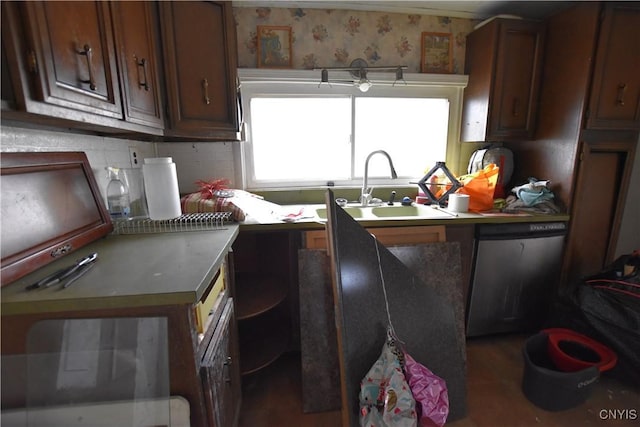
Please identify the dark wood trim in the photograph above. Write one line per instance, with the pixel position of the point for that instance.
(73, 172)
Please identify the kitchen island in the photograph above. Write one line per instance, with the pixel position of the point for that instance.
(164, 275)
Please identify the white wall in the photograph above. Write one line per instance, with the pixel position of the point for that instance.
(200, 160)
(101, 151)
(194, 160)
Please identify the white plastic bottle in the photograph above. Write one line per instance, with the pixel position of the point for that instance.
(161, 187)
(118, 202)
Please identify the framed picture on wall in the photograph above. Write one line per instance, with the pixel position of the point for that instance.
(437, 53)
(274, 47)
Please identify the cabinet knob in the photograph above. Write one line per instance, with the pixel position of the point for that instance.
(88, 54)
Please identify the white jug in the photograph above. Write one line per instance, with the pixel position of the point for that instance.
(161, 187)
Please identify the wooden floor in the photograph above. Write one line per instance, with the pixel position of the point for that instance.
(271, 397)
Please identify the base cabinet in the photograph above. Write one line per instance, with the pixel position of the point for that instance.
(265, 300)
(203, 366)
(221, 374)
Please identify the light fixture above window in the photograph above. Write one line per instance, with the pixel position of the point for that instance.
(358, 70)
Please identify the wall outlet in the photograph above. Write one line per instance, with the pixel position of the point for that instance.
(134, 158)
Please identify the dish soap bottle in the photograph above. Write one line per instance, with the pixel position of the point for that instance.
(118, 201)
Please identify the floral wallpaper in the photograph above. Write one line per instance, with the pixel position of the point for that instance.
(335, 37)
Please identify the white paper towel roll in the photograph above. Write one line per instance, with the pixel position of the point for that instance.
(458, 202)
(161, 187)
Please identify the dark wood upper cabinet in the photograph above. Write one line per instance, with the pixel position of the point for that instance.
(503, 61)
(99, 66)
(586, 139)
(136, 31)
(7, 94)
(201, 67)
(615, 92)
(72, 55)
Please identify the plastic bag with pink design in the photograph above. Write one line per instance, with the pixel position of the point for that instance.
(429, 391)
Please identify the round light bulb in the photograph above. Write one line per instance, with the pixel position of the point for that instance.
(364, 85)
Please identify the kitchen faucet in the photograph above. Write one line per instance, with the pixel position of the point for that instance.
(365, 196)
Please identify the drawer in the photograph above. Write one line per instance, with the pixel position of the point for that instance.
(205, 306)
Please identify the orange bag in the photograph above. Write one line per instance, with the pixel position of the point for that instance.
(480, 187)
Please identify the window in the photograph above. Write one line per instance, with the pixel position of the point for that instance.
(300, 134)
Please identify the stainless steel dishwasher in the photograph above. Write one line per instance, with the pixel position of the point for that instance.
(516, 271)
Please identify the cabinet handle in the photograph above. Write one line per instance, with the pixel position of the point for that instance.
(240, 107)
(227, 364)
(205, 89)
(32, 62)
(514, 109)
(87, 52)
(142, 63)
(622, 88)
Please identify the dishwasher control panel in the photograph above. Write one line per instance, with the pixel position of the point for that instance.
(548, 226)
(521, 229)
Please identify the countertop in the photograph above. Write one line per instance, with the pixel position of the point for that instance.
(175, 268)
(132, 270)
(308, 219)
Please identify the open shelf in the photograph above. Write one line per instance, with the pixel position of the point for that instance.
(268, 339)
(263, 263)
(257, 294)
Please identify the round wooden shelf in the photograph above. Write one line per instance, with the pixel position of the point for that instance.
(262, 340)
(257, 294)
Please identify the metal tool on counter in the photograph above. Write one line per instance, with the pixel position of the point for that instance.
(81, 272)
(72, 272)
(438, 208)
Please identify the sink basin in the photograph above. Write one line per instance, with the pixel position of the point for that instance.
(404, 211)
(372, 213)
(355, 212)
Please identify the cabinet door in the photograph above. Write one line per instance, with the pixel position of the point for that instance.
(136, 24)
(603, 179)
(72, 43)
(200, 64)
(7, 96)
(515, 95)
(615, 94)
(503, 61)
(221, 372)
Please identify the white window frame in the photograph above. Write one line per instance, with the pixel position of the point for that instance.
(264, 82)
